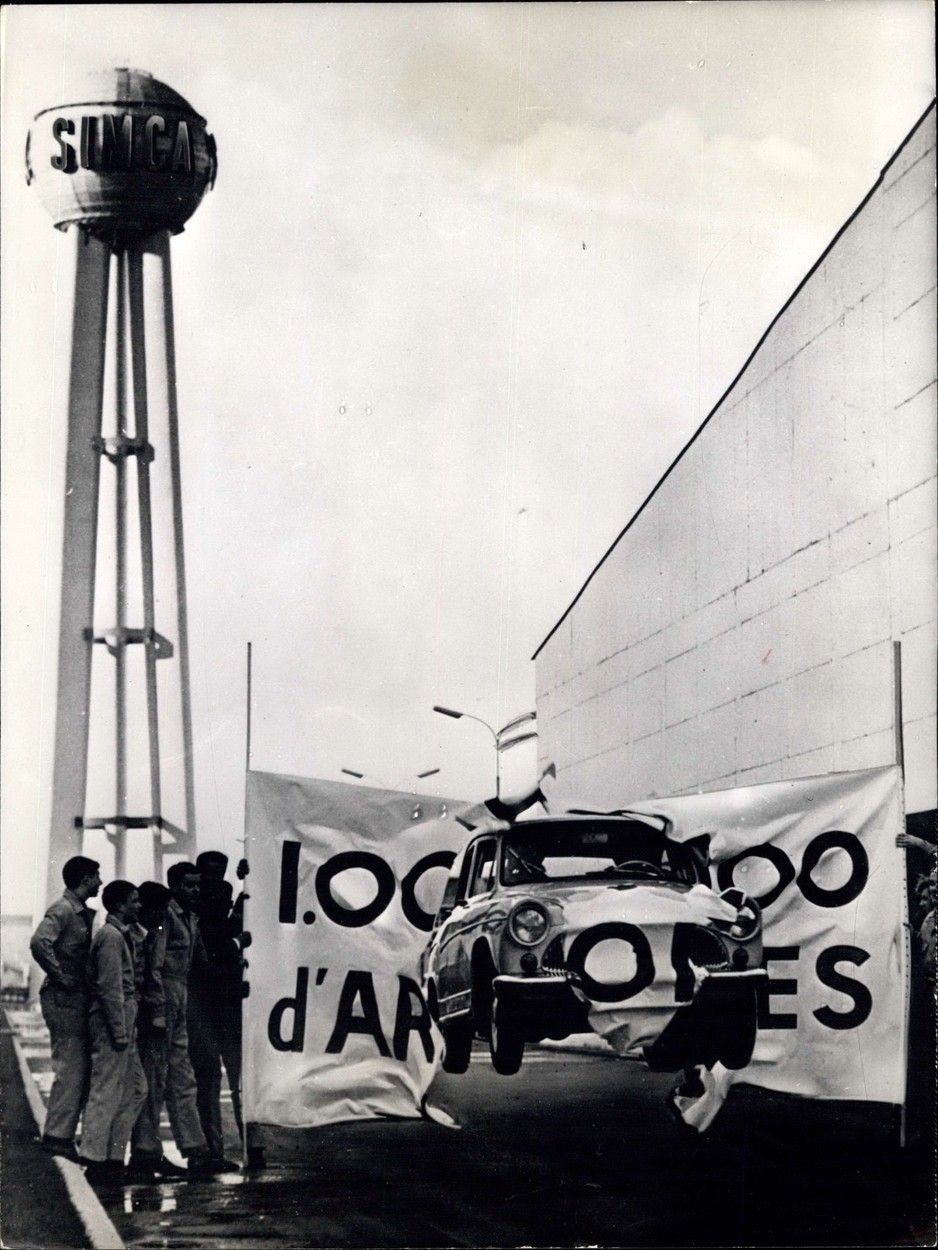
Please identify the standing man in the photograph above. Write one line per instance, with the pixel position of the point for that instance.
(118, 1087)
(215, 1005)
(147, 1161)
(60, 946)
(184, 950)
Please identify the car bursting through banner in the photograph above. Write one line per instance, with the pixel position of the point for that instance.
(548, 916)
(391, 930)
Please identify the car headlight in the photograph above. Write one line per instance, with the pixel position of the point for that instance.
(748, 920)
(528, 923)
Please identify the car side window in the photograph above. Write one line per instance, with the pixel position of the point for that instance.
(462, 889)
(483, 869)
(448, 901)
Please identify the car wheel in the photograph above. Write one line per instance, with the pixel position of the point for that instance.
(738, 1041)
(458, 1040)
(506, 1044)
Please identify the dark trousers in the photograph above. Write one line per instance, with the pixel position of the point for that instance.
(215, 1039)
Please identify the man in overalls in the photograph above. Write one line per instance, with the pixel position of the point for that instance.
(118, 1087)
(60, 946)
(147, 1161)
(183, 950)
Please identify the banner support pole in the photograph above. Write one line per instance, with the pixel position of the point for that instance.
(244, 927)
(900, 762)
(897, 699)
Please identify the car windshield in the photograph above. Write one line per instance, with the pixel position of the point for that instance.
(595, 849)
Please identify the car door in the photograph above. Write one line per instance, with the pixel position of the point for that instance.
(451, 973)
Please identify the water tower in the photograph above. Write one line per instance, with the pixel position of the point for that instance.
(121, 166)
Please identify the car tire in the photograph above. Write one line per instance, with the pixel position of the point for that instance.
(506, 1044)
(458, 1046)
(737, 1043)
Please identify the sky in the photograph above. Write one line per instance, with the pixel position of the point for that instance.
(470, 277)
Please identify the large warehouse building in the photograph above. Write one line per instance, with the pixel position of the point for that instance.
(741, 627)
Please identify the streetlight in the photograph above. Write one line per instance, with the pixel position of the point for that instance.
(497, 735)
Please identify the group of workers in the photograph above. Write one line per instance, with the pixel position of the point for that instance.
(143, 1012)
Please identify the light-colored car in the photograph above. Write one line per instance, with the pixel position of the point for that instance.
(513, 953)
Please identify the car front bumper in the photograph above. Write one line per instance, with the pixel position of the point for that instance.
(541, 1006)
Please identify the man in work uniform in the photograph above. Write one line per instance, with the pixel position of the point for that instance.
(215, 1004)
(118, 1086)
(147, 1161)
(60, 946)
(183, 950)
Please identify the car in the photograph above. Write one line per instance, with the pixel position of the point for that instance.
(515, 953)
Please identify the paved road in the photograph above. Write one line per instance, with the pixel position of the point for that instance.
(574, 1150)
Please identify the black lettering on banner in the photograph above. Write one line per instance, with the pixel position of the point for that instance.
(419, 918)
(775, 856)
(828, 975)
(65, 158)
(859, 870)
(297, 1005)
(358, 985)
(289, 879)
(771, 986)
(619, 990)
(355, 917)
(405, 1022)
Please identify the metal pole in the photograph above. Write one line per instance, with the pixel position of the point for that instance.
(900, 761)
(163, 398)
(244, 922)
(84, 369)
(897, 698)
(142, 431)
(247, 741)
(120, 589)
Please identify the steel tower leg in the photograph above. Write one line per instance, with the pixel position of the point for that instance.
(85, 397)
(161, 392)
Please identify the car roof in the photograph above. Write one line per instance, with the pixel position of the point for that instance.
(657, 824)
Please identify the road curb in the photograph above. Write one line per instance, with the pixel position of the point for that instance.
(87, 1205)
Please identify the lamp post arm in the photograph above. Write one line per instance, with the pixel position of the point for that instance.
(480, 721)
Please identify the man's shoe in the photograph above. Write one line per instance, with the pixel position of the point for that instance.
(150, 1168)
(220, 1164)
(257, 1160)
(143, 1167)
(96, 1169)
(199, 1166)
(59, 1147)
(169, 1171)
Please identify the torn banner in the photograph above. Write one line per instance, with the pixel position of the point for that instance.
(344, 883)
(819, 855)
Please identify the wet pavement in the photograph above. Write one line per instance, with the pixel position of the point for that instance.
(576, 1149)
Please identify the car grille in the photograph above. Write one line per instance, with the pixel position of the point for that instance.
(552, 962)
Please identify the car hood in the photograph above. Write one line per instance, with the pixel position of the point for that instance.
(645, 903)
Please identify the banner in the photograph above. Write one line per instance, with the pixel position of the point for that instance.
(819, 855)
(345, 880)
(343, 886)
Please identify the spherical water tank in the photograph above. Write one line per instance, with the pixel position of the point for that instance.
(126, 155)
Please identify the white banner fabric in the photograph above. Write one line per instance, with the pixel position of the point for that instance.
(344, 881)
(343, 884)
(819, 854)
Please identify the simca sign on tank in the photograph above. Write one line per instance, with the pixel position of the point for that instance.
(128, 155)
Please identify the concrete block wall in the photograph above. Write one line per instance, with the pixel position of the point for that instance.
(741, 628)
